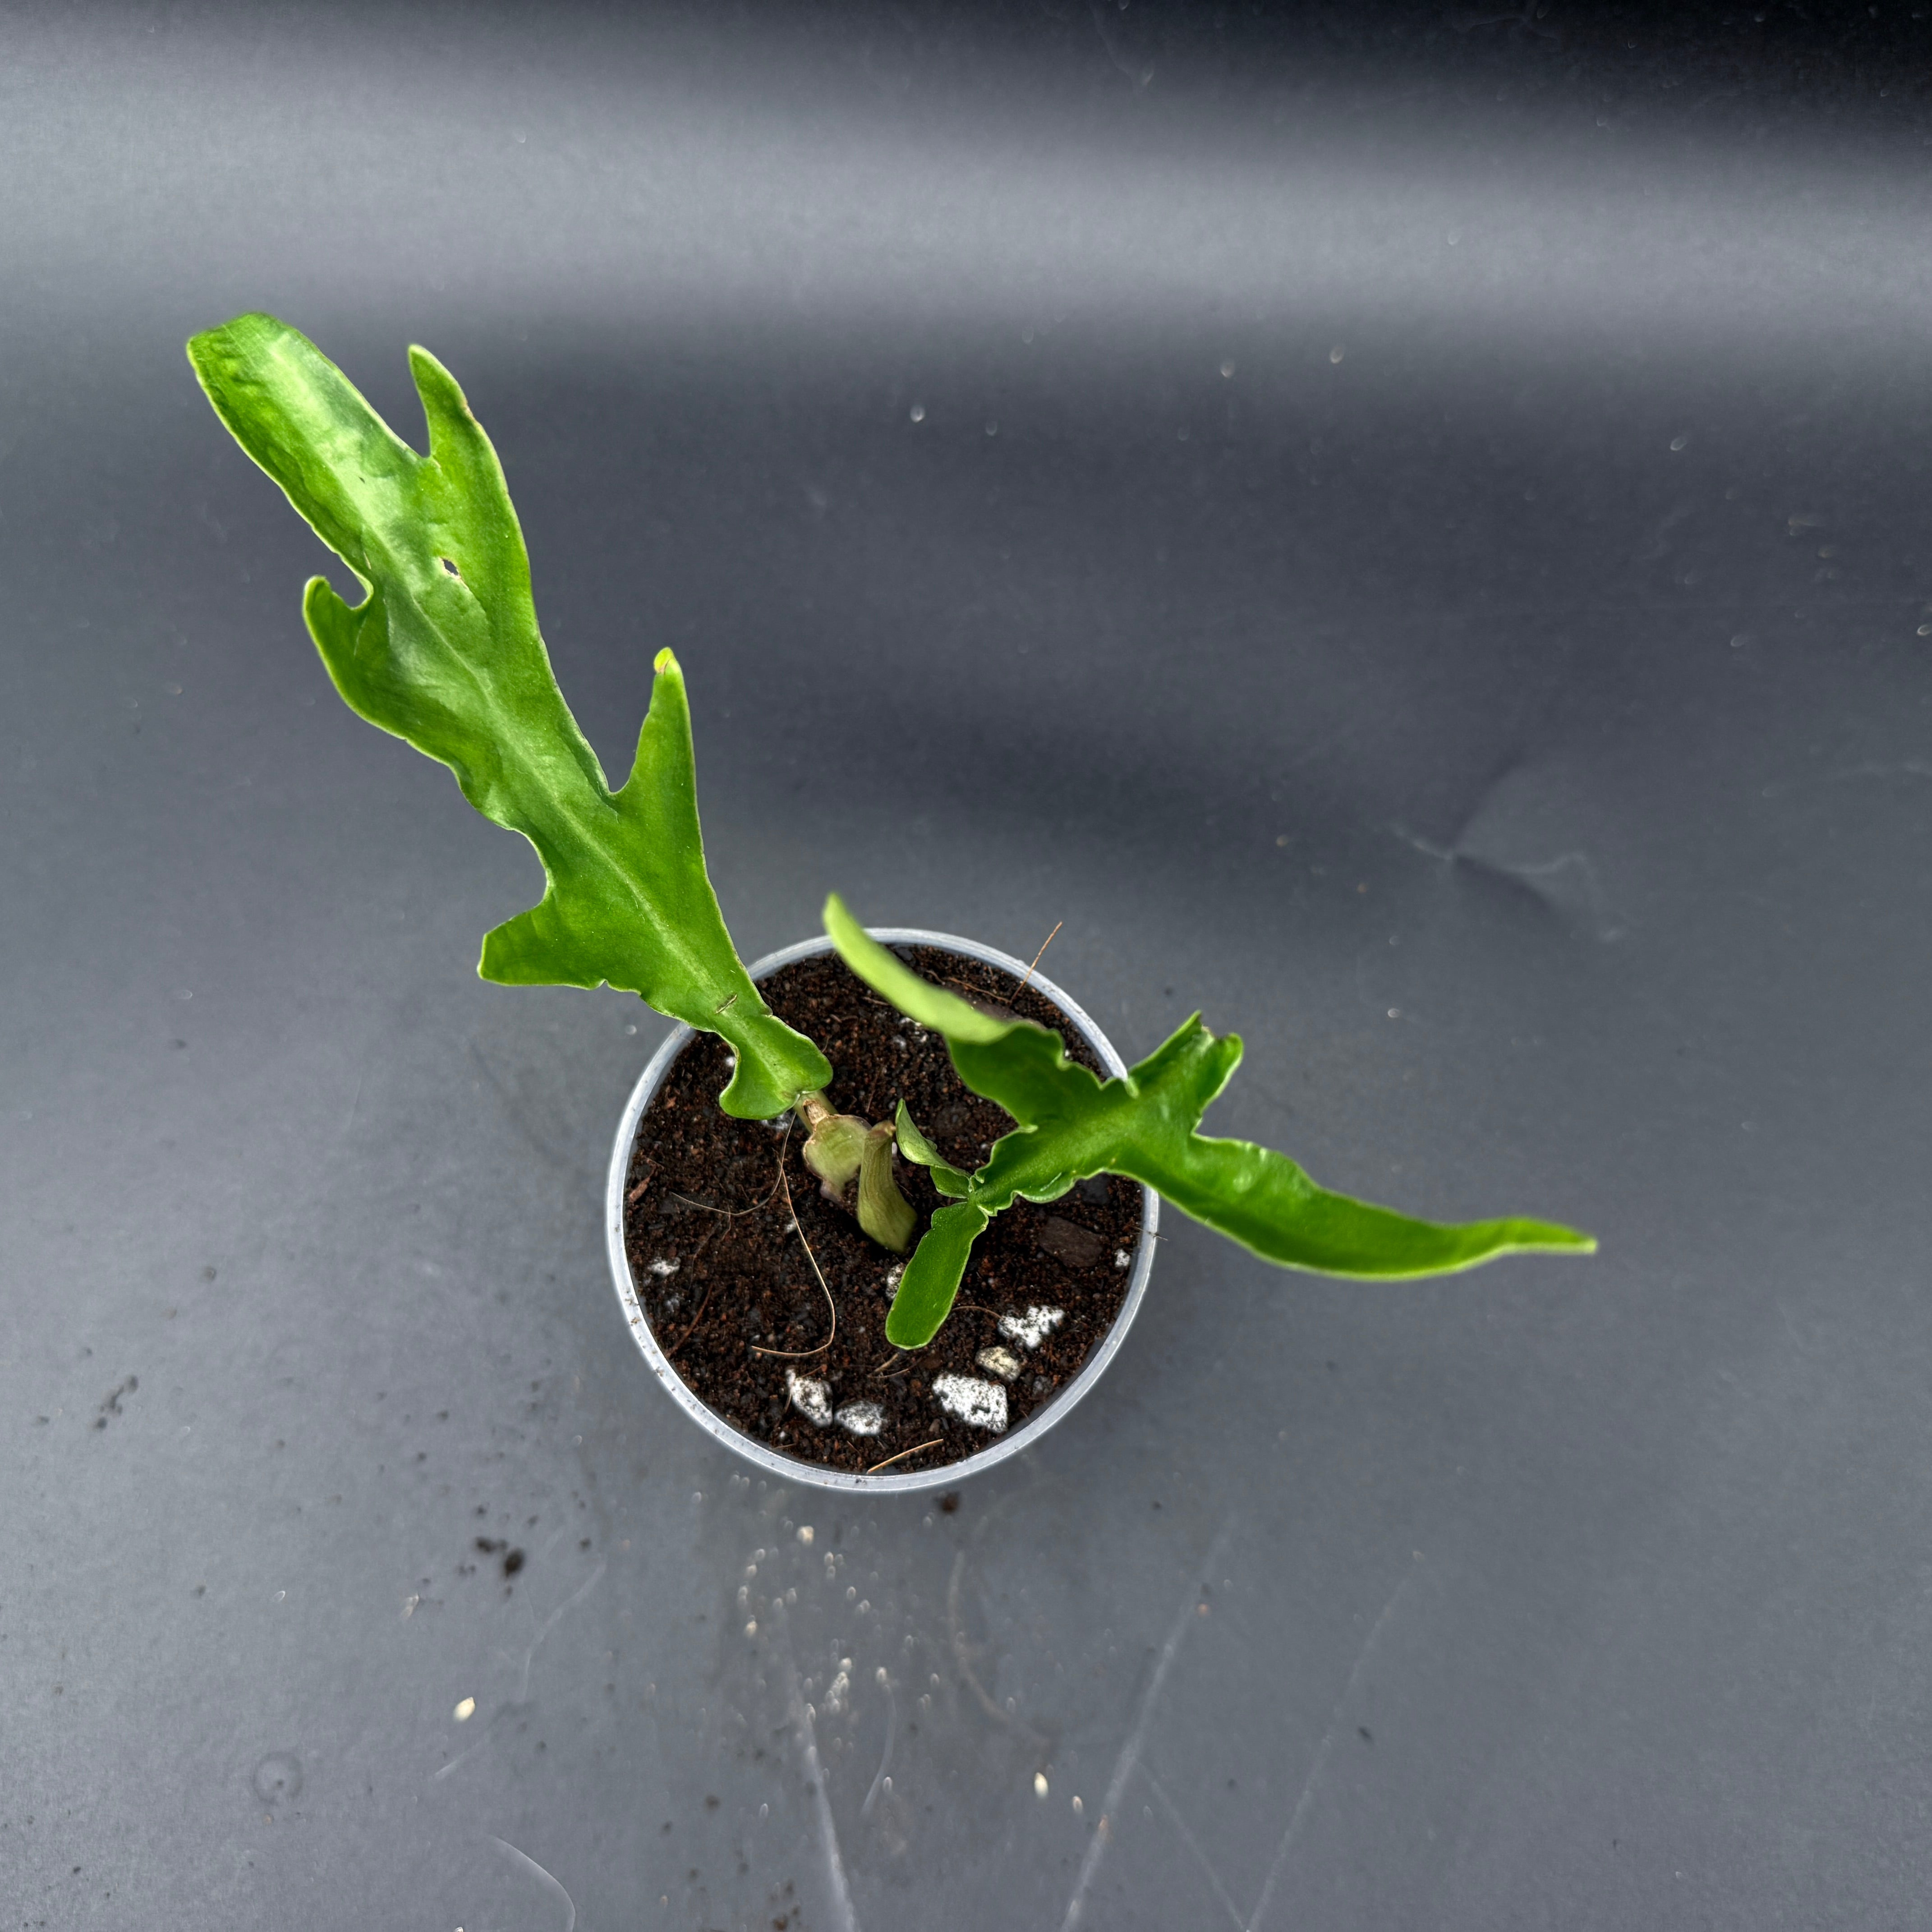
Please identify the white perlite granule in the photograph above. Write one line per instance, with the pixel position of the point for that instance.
(861, 1418)
(998, 1361)
(812, 1400)
(892, 1274)
(979, 1404)
(661, 1269)
(1033, 1328)
(1122, 1259)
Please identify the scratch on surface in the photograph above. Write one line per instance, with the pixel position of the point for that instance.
(846, 1918)
(963, 1652)
(1909, 768)
(1130, 1752)
(1328, 1743)
(962, 1655)
(1193, 1844)
(1140, 79)
(885, 1762)
(1532, 876)
(437, 1776)
(544, 1878)
(549, 1623)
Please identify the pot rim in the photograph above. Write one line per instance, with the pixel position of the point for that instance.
(811, 1474)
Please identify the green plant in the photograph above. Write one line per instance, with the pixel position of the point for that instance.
(1072, 1124)
(444, 652)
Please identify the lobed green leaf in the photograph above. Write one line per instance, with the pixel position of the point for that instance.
(444, 652)
(1072, 1124)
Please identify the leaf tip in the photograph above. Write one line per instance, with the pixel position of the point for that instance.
(666, 660)
(423, 364)
(204, 342)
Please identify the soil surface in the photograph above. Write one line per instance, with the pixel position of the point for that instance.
(726, 1281)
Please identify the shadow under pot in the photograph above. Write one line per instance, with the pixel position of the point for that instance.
(761, 1306)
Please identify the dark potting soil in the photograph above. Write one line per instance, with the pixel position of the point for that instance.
(722, 1274)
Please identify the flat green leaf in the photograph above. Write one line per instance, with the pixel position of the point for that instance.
(931, 1282)
(444, 651)
(921, 1152)
(1072, 1124)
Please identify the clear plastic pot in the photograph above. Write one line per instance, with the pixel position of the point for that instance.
(788, 1467)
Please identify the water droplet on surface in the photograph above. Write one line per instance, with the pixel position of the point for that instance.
(992, 428)
(918, 412)
(1039, 1784)
(277, 1779)
(1335, 354)
(1679, 442)
(1227, 367)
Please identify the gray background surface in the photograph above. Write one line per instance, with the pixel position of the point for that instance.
(1416, 544)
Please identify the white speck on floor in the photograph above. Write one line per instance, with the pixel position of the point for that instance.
(1122, 1259)
(812, 1400)
(861, 1418)
(977, 1404)
(892, 1274)
(661, 1269)
(998, 1361)
(1033, 1327)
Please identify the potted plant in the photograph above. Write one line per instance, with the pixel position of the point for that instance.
(882, 1207)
